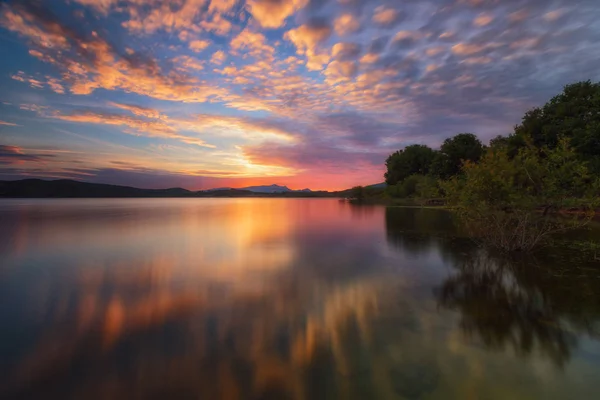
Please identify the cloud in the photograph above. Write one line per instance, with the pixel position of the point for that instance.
(198, 45)
(139, 110)
(386, 17)
(346, 51)
(346, 24)
(483, 19)
(40, 83)
(149, 126)
(218, 57)
(16, 155)
(7, 123)
(221, 6)
(252, 43)
(338, 71)
(167, 16)
(553, 15)
(102, 6)
(405, 38)
(273, 13)
(467, 48)
(307, 38)
(91, 63)
(357, 77)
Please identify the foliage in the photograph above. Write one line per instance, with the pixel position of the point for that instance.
(548, 178)
(506, 193)
(415, 159)
(361, 194)
(507, 201)
(573, 114)
(417, 186)
(427, 187)
(358, 193)
(454, 152)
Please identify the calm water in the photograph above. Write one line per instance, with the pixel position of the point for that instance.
(282, 298)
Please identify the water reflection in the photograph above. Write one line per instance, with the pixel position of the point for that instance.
(530, 304)
(259, 299)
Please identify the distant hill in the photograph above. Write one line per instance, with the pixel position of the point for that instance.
(70, 188)
(263, 189)
(64, 188)
(267, 189)
(273, 189)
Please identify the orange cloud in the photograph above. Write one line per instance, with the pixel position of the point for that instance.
(518, 16)
(102, 6)
(139, 110)
(483, 19)
(216, 24)
(338, 71)
(164, 16)
(102, 67)
(345, 50)
(369, 58)
(218, 57)
(198, 45)
(7, 123)
(554, 15)
(478, 60)
(52, 83)
(150, 128)
(253, 42)
(46, 36)
(467, 49)
(385, 16)
(221, 6)
(434, 51)
(306, 38)
(345, 24)
(187, 63)
(273, 13)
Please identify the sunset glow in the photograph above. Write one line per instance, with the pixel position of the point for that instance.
(304, 93)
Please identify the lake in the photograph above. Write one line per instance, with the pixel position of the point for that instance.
(283, 298)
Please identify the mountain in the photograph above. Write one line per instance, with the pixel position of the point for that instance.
(69, 188)
(64, 188)
(268, 189)
(381, 185)
(39, 188)
(263, 189)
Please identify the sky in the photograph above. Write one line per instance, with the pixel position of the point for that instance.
(304, 93)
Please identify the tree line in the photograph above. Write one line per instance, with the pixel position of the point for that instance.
(551, 161)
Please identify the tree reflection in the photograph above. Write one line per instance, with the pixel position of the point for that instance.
(517, 304)
(417, 230)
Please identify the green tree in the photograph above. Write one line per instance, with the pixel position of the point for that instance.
(573, 114)
(499, 142)
(454, 152)
(417, 186)
(415, 159)
(507, 201)
(358, 193)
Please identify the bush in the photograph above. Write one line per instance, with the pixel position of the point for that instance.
(508, 202)
(415, 186)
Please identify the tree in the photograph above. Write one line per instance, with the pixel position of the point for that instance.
(358, 193)
(415, 159)
(507, 201)
(454, 152)
(573, 114)
(499, 142)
